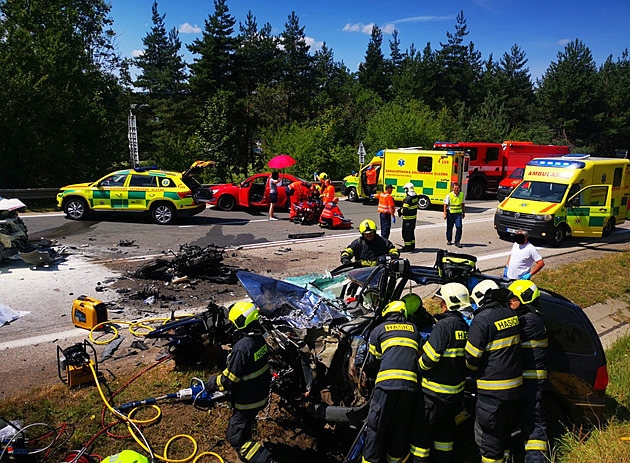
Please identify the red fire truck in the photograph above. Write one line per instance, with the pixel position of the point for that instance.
(492, 162)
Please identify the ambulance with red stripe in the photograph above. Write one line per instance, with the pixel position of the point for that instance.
(574, 195)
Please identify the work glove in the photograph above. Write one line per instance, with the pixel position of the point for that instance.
(211, 385)
(346, 261)
(505, 270)
(393, 219)
(527, 276)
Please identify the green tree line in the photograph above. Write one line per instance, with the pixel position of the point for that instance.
(249, 95)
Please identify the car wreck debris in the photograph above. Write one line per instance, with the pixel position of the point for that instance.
(13, 231)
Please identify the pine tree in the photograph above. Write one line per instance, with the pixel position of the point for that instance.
(373, 72)
(613, 85)
(515, 85)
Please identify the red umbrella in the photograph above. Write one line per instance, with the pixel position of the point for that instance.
(280, 162)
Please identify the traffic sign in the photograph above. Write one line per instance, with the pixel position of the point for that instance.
(361, 153)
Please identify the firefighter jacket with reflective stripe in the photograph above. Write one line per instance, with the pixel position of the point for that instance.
(395, 343)
(330, 210)
(367, 252)
(247, 374)
(534, 343)
(494, 351)
(410, 208)
(442, 364)
(386, 204)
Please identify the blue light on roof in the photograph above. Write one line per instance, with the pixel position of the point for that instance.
(557, 163)
(380, 153)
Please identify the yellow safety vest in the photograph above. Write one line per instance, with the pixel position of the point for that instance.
(455, 203)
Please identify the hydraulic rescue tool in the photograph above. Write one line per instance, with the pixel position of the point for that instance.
(75, 362)
(196, 393)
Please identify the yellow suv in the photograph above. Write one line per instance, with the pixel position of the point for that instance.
(166, 195)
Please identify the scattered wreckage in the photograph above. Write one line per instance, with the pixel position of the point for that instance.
(318, 334)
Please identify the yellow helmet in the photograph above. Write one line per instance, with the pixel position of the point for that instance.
(455, 295)
(479, 291)
(412, 302)
(242, 314)
(395, 306)
(323, 176)
(367, 226)
(525, 290)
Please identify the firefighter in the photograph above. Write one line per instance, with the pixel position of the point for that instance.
(408, 212)
(443, 371)
(479, 291)
(386, 210)
(534, 344)
(371, 176)
(248, 378)
(416, 313)
(394, 344)
(493, 352)
(369, 247)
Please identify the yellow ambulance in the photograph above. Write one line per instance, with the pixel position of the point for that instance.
(575, 195)
(431, 172)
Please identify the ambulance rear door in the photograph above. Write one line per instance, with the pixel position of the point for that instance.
(589, 210)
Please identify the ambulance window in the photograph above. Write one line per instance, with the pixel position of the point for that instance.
(114, 180)
(492, 154)
(142, 181)
(472, 152)
(593, 196)
(618, 175)
(425, 164)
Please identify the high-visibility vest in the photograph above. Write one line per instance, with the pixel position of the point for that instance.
(371, 176)
(330, 210)
(455, 203)
(386, 203)
(329, 194)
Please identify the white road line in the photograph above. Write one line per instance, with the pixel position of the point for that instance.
(43, 339)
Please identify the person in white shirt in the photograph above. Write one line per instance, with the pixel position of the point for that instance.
(523, 256)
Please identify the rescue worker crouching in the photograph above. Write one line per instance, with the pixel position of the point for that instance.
(443, 371)
(332, 217)
(409, 212)
(493, 352)
(369, 247)
(534, 343)
(248, 378)
(394, 345)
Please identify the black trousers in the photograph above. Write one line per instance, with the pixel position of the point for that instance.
(533, 426)
(439, 425)
(386, 224)
(239, 436)
(388, 425)
(409, 234)
(494, 423)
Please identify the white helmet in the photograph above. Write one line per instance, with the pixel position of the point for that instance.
(479, 291)
(410, 189)
(455, 295)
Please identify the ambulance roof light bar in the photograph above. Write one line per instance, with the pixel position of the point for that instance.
(557, 163)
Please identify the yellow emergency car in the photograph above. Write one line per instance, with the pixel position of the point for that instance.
(575, 195)
(166, 195)
(432, 173)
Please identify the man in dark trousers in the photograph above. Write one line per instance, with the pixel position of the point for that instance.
(386, 210)
(443, 371)
(248, 378)
(369, 247)
(409, 211)
(534, 344)
(394, 345)
(493, 352)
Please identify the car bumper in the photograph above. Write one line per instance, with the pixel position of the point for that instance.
(506, 225)
(190, 211)
(503, 192)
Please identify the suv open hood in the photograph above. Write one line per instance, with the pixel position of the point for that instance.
(197, 167)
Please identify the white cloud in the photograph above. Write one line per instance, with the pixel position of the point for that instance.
(388, 28)
(188, 28)
(415, 19)
(136, 53)
(313, 44)
(563, 42)
(367, 28)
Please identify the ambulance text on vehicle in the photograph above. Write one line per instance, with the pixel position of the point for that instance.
(431, 172)
(575, 195)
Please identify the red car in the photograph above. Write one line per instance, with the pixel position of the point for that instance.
(251, 192)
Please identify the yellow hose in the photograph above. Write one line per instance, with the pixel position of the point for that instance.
(132, 325)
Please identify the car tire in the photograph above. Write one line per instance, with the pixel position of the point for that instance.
(226, 202)
(559, 234)
(163, 213)
(352, 195)
(424, 202)
(76, 209)
(609, 227)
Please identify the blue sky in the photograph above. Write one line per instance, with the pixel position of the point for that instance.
(540, 28)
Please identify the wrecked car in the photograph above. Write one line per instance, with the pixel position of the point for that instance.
(318, 338)
(13, 231)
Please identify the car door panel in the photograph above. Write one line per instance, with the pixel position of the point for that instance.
(588, 210)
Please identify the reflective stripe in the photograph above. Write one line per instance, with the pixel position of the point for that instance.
(231, 376)
(471, 366)
(443, 446)
(262, 403)
(363, 460)
(532, 344)
(498, 385)
(256, 374)
(534, 374)
(409, 217)
(490, 460)
(374, 352)
(397, 374)
(504, 342)
(252, 451)
(472, 350)
(443, 388)
(404, 342)
(391, 459)
(419, 451)
(423, 365)
(536, 445)
(431, 352)
(454, 352)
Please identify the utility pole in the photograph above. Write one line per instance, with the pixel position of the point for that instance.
(132, 134)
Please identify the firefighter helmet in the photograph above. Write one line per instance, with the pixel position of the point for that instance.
(455, 295)
(410, 189)
(242, 314)
(525, 290)
(367, 226)
(395, 306)
(479, 291)
(412, 302)
(323, 176)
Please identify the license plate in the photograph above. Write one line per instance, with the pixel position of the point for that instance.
(510, 230)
